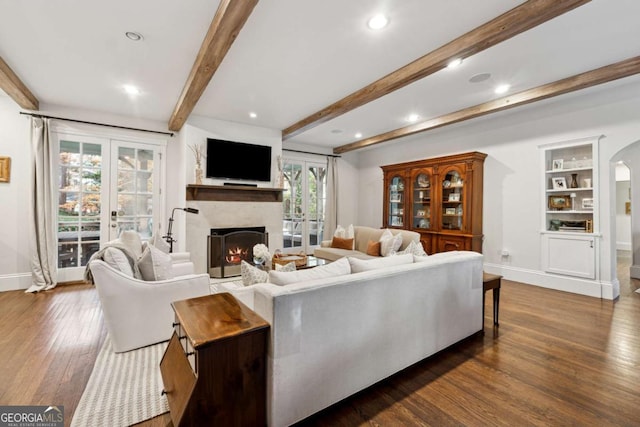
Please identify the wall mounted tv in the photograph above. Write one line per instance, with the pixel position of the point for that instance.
(237, 160)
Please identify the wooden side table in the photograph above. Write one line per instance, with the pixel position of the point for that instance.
(214, 369)
(491, 281)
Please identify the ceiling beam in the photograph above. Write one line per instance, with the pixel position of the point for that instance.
(595, 77)
(225, 27)
(518, 20)
(13, 86)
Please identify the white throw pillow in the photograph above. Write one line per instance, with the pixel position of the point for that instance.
(389, 244)
(347, 233)
(157, 241)
(118, 260)
(291, 266)
(131, 240)
(155, 265)
(360, 265)
(251, 274)
(414, 248)
(334, 269)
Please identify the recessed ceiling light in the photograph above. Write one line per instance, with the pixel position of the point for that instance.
(454, 63)
(253, 115)
(358, 135)
(480, 78)
(413, 118)
(131, 90)
(132, 35)
(336, 131)
(503, 88)
(377, 22)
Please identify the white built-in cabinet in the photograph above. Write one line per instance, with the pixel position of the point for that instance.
(570, 226)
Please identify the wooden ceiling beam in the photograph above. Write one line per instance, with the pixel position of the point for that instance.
(585, 80)
(517, 20)
(13, 86)
(225, 27)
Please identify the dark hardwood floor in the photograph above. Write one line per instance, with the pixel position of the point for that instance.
(556, 359)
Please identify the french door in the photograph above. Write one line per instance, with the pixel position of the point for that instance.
(304, 200)
(105, 186)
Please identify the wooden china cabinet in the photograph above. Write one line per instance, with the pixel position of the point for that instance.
(440, 198)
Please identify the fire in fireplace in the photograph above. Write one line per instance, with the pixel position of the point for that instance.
(228, 247)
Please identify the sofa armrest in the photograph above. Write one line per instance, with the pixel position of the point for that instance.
(325, 244)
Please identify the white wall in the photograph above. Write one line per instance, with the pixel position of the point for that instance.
(513, 174)
(623, 221)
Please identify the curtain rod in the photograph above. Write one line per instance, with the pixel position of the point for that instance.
(309, 152)
(42, 116)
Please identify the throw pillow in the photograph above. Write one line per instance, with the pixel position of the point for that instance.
(342, 243)
(131, 239)
(118, 260)
(157, 241)
(291, 266)
(251, 275)
(414, 248)
(373, 248)
(359, 265)
(389, 244)
(155, 265)
(343, 233)
(334, 269)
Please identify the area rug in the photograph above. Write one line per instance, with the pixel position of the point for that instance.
(124, 388)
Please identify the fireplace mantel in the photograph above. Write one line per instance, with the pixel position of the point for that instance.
(233, 193)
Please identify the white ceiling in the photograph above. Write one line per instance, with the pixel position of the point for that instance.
(295, 57)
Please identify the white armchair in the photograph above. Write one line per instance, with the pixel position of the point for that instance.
(138, 313)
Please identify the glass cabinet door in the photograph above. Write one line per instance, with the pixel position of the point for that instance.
(421, 207)
(396, 202)
(452, 200)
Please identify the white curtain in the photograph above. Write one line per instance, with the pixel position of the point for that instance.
(44, 266)
(331, 207)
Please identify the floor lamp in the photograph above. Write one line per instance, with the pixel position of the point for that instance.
(169, 237)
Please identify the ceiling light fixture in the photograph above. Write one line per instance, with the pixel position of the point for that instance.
(336, 131)
(131, 90)
(500, 89)
(454, 63)
(378, 22)
(480, 78)
(413, 118)
(358, 135)
(253, 115)
(132, 35)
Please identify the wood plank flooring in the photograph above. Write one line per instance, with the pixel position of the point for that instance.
(556, 359)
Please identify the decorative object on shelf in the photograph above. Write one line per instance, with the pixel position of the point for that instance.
(200, 154)
(559, 183)
(459, 210)
(5, 169)
(574, 180)
(587, 203)
(559, 202)
(261, 254)
(423, 223)
(589, 226)
(627, 208)
(446, 183)
(169, 236)
(554, 225)
(401, 186)
(423, 181)
(573, 226)
(450, 211)
(395, 198)
(420, 213)
(454, 197)
(586, 183)
(573, 201)
(557, 164)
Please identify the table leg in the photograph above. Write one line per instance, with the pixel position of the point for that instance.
(496, 305)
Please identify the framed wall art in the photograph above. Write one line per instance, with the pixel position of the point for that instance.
(5, 169)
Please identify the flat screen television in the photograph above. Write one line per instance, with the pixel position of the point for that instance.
(238, 161)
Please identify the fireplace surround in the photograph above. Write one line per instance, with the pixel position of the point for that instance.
(228, 247)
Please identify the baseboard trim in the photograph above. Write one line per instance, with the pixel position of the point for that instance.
(575, 285)
(15, 282)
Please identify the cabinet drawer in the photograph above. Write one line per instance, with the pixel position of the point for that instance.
(452, 243)
(187, 348)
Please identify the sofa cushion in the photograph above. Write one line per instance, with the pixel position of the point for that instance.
(337, 268)
(373, 248)
(131, 239)
(155, 265)
(360, 265)
(414, 248)
(118, 260)
(389, 244)
(342, 243)
(252, 275)
(334, 254)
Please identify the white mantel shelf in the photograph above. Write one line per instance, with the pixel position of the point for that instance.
(233, 193)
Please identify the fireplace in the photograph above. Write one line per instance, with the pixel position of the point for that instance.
(228, 247)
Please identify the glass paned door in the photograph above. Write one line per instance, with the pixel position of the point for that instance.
(132, 198)
(304, 201)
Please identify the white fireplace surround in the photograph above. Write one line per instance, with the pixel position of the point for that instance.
(226, 215)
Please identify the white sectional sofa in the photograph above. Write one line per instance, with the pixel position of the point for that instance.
(362, 235)
(333, 337)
